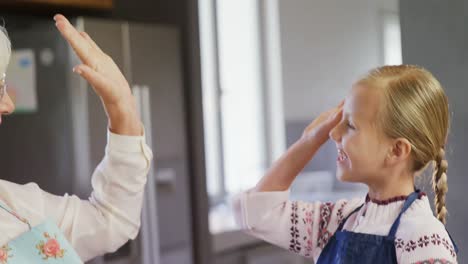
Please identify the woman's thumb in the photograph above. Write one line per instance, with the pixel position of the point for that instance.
(97, 81)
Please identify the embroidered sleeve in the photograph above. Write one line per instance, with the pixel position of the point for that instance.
(301, 227)
(428, 244)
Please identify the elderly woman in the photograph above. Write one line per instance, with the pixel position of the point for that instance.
(38, 227)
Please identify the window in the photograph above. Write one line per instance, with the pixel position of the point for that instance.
(242, 97)
(392, 38)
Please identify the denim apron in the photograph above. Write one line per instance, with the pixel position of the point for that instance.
(347, 247)
(42, 244)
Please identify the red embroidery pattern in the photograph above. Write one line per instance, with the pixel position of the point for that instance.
(434, 261)
(323, 234)
(340, 212)
(391, 200)
(423, 242)
(294, 244)
(308, 221)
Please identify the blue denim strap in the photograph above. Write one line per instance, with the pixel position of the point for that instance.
(340, 227)
(409, 201)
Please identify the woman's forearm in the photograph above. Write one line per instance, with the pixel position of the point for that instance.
(124, 120)
(283, 172)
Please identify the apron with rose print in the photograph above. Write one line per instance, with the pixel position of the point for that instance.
(44, 243)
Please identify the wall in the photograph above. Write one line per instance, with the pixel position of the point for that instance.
(326, 46)
(434, 36)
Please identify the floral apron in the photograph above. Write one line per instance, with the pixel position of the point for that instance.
(44, 243)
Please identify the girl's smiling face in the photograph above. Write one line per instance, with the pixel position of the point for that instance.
(362, 146)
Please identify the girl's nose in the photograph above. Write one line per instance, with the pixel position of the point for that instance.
(6, 105)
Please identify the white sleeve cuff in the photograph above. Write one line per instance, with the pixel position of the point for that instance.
(125, 143)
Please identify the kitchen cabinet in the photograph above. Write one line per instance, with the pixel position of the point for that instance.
(91, 4)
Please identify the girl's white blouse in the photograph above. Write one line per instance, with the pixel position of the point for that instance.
(305, 228)
(101, 224)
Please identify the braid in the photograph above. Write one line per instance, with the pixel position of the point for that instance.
(440, 185)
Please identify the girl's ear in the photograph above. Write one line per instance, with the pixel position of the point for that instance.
(400, 150)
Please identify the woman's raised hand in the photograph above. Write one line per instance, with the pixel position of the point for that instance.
(106, 79)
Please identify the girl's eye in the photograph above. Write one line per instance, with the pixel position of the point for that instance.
(350, 125)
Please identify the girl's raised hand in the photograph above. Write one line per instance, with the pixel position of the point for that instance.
(106, 79)
(320, 128)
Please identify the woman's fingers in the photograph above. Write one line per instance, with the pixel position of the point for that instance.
(80, 44)
(90, 41)
(105, 77)
(70, 34)
(97, 81)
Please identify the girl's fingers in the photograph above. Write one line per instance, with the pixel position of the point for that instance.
(334, 120)
(338, 114)
(341, 103)
(335, 116)
(334, 112)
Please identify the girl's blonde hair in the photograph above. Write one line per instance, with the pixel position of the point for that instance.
(5, 50)
(415, 107)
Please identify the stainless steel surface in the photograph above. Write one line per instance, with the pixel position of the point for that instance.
(150, 56)
(156, 63)
(150, 234)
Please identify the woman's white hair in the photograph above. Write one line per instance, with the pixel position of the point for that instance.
(5, 50)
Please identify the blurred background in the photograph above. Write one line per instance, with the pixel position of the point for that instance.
(223, 87)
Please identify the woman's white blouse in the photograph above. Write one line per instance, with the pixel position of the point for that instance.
(305, 228)
(101, 224)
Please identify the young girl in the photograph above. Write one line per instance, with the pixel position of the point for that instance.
(391, 126)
